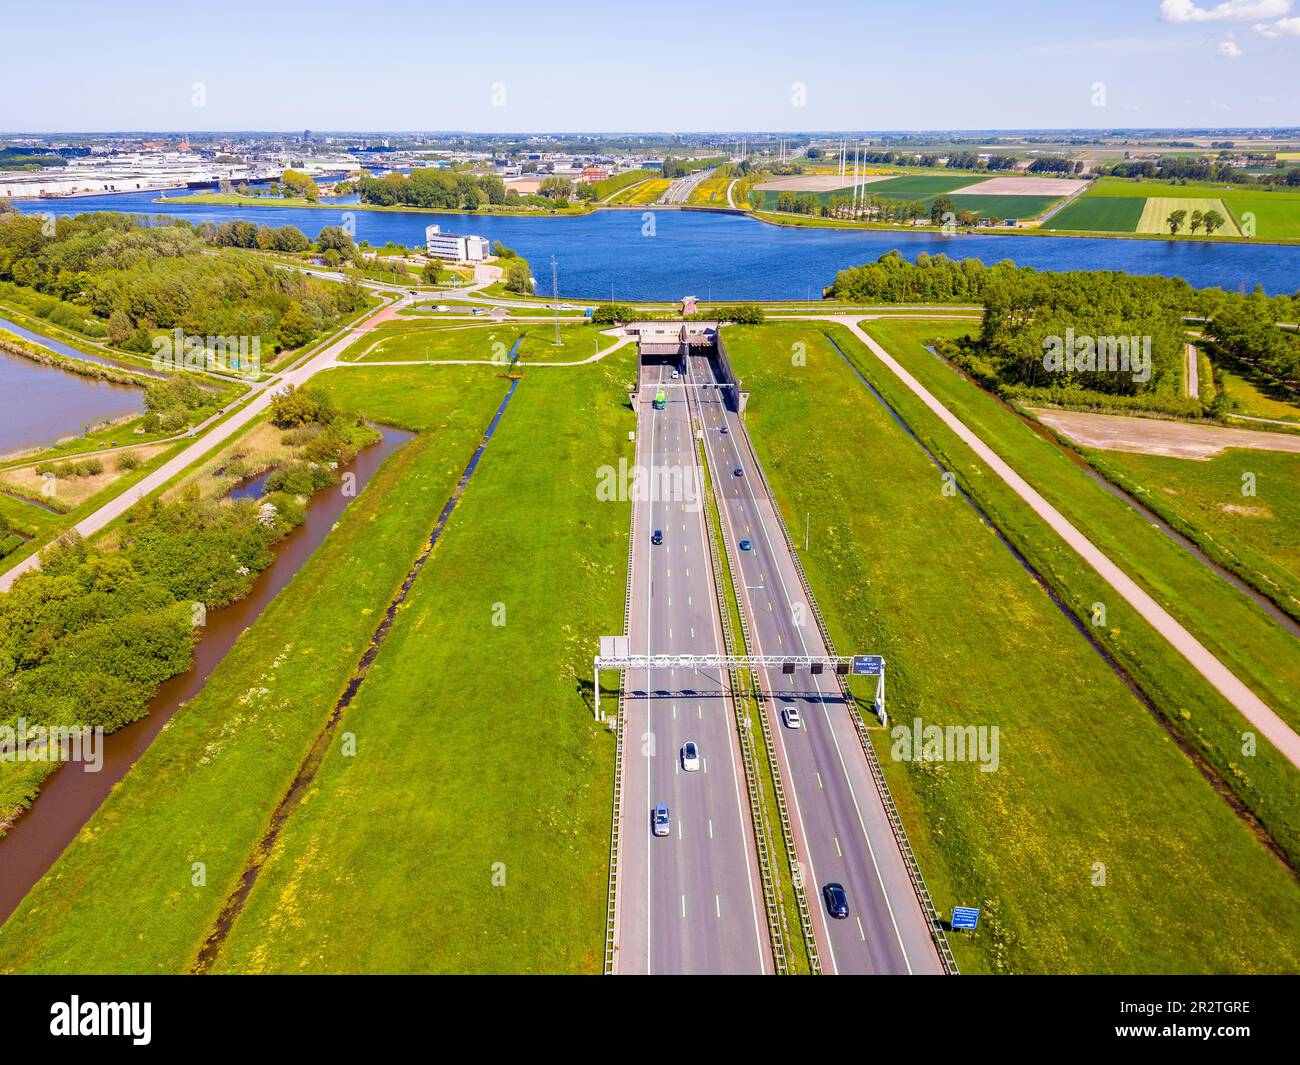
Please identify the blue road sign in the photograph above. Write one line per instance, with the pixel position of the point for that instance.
(965, 918)
(868, 665)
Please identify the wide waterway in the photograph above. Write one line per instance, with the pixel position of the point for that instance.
(667, 254)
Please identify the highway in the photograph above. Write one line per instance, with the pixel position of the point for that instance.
(691, 902)
(842, 833)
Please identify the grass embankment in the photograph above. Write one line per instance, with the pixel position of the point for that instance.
(1256, 536)
(1086, 776)
(1226, 621)
(470, 833)
(205, 788)
(433, 342)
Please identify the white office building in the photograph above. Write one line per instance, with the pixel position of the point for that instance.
(456, 247)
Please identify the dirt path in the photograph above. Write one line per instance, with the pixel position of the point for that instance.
(1251, 706)
(1152, 436)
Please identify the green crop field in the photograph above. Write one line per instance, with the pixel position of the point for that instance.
(919, 186)
(1004, 206)
(1100, 214)
(1252, 398)
(1155, 215)
(1123, 187)
(1088, 786)
(1276, 214)
(205, 788)
(646, 192)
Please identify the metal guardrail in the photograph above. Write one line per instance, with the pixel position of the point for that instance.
(778, 786)
(611, 902)
(877, 774)
(768, 871)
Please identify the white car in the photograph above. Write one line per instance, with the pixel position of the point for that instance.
(790, 717)
(690, 756)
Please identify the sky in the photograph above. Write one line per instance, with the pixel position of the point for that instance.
(664, 65)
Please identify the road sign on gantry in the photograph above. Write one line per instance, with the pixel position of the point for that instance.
(868, 665)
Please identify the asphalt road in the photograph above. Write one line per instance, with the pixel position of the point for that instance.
(690, 902)
(842, 833)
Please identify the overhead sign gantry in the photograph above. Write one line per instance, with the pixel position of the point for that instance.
(615, 654)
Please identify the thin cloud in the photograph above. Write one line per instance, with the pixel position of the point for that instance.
(1228, 11)
(1287, 27)
(1230, 49)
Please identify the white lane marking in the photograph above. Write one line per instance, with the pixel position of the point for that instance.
(818, 774)
(692, 632)
(704, 764)
(710, 828)
(679, 828)
(838, 853)
(861, 934)
(683, 907)
(717, 906)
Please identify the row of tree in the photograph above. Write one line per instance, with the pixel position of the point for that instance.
(143, 278)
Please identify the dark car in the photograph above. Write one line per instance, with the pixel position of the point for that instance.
(658, 537)
(745, 545)
(837, 902)
(723, 429)
(738, 472)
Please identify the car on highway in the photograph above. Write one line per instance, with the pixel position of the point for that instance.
(658, 537)
(738, 472)
(790, 717)
(676, 375)
(837, 901)
(690, 756)
(745, 545)
(660, 823)
(723, 429)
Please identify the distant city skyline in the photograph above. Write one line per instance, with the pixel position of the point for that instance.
(518, 67)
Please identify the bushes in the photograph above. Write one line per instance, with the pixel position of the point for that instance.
(128, 461)
(612, 313)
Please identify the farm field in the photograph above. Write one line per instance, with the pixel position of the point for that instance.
(122, 899)
(1257, 536)
(1004, 206)
(977, 643)
(1277, 214)
(1100, 214)
(919, 186)
(1156, 213)
(457, 788)
(1234, 628)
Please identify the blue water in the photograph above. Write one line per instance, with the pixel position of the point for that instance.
(55, 345)
(722, 256)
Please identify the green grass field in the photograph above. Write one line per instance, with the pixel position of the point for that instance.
(205, 788)
(1155, 215)
(1004, 206)
(1100, 214)
(439, 341)
(1253, 401)
(1226, 621)
(466, 770)
(919, 186)
(1086, 775)
(1258, 536)
(1276, 214)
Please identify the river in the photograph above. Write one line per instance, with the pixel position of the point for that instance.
(70, 796)
(666, 254)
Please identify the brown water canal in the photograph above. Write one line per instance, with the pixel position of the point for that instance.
(71, 795)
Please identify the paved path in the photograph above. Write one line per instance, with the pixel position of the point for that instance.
(1193, 380)
(1251, 706)
(296, 376)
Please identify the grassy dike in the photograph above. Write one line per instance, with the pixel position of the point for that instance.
(1095, 845)
(1245, 639)
(470, 831)
(122, 897)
